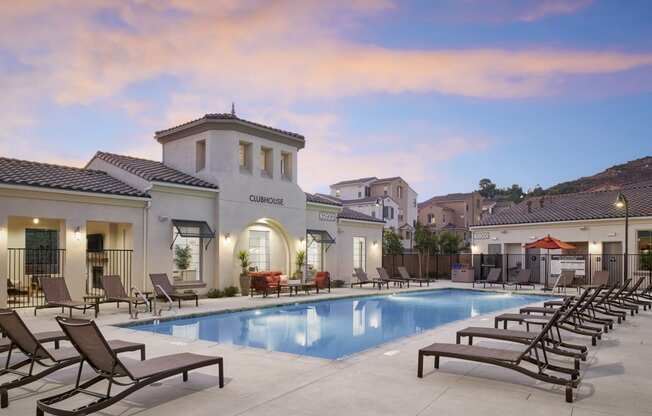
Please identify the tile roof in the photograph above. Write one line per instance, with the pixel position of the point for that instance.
(354, 181)
(349, 214)
(573, 207)
(43, 175)
(227, 116)
(322, 199)
(446, 198)
(152, 171)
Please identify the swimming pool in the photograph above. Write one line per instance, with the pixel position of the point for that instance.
(336, 328)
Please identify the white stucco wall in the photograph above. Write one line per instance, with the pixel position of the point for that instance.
(372, 232)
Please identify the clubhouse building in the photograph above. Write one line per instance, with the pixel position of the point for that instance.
(224, 185)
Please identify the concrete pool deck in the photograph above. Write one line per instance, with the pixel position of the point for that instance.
(379, 381)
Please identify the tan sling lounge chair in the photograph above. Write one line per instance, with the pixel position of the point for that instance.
(57, 295)
(48, 360)
(162, 287)
(405, 275)
(534, 353)
(131, 375)
(115, 291)
(363, 279)
(384, 276)
(493, 278)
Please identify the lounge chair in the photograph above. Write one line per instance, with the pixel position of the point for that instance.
(96, 351)
(628, 300)
(57, 295)
(405, 275)
(523, 279)
(48, 360)
(600, 278)
(43, 337)
(164, 290)
(384, 276)
(493, 278)
(566, 280)
(115, 291)
(571, 320)
(511, 359)
(553, 342)
(363, 279)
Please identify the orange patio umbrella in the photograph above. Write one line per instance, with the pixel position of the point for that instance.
(549, 243)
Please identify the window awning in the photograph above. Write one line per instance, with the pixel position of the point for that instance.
(321, 236)
(192, 229)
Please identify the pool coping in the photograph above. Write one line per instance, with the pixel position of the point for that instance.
(156, 320)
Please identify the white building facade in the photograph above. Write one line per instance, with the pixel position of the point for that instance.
(224, 185)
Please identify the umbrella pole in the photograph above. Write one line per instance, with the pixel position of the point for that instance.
(545, 286)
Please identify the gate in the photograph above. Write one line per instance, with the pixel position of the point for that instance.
(26, 268)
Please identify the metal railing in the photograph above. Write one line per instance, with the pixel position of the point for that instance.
(542, 266)
(25, 269)
(110, 262)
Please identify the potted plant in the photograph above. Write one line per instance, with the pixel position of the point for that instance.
(299, 261)
(182, 257)
(245, 281)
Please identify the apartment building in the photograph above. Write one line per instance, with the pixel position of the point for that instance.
(392, 190)
(453, 212)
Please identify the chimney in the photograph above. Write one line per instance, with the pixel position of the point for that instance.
(541, 200)
(529, 206)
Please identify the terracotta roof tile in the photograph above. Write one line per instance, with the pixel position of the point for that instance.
(153, 171)
(44, 175)
(573, 207)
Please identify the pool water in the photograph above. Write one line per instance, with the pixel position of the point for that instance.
(336, 328)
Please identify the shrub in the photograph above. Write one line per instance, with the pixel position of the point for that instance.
(337, 283)
(215, 293)
(230, 291)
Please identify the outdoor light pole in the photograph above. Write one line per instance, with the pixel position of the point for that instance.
(381, 202)
(622, 202)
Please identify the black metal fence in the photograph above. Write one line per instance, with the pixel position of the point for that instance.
(544, 267)
(107, 263)
(27, 266)
(25, 269)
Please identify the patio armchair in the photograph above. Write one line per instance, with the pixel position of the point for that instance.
(264, 283)
(323, 281)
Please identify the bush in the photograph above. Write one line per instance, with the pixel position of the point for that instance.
(215, 293)
(337, 283)
(230, 291)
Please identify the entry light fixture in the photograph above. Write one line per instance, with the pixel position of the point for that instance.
(36, 220)
(375, 243)
(78, 233)
(227, 237)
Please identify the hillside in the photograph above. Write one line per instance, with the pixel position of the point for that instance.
(635, 171)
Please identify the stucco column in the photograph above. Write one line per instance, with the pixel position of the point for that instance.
(3, 261)
(75, 271)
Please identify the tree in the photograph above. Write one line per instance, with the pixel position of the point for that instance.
(392, 245)
(487, 188)
(182, 257)
(449, 243)
(422, 244)
(536, 191)
(515, 193)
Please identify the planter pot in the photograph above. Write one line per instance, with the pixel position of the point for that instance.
(245, 284)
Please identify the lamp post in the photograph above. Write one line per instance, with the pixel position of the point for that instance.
(622, 202)
(380, 202)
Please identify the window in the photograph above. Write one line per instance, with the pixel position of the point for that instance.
(385, 190)
(259, 250)
(41, 251)
(360, 253)
(644, 241)
(367, 191)
(200, 155)
(286, 166)
(314, 253)
(414, 203)
(188, 257)
(338, 193)
(359, 194)
(266, 162)
(373, 213)
(245, 157)
(399, 192)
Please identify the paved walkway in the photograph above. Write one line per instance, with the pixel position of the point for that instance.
(616, 378)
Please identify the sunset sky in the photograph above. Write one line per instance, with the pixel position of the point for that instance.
(440, 92)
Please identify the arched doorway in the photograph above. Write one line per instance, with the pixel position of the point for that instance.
(268, 245)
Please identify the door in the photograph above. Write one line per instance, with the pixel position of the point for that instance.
(533, 261)
(612, 260)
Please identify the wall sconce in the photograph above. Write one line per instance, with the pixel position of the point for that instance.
(227, 237)
(375, 243)
(78, 233)
(35, 220)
